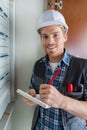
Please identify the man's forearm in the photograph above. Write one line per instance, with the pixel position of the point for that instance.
(75, 107)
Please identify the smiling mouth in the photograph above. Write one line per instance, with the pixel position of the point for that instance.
(51, 47)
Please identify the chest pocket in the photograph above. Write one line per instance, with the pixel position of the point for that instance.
(75, 95)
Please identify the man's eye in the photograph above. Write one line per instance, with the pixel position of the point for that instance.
(55, 35)
(45, 37)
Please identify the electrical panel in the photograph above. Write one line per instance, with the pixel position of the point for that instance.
(4, 56)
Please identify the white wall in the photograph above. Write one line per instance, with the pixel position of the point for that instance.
(28, 50)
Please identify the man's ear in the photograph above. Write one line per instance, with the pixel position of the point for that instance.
(66, 37)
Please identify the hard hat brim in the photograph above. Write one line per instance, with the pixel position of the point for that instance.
(45, 24)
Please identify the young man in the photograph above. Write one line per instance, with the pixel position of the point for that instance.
(66, 92)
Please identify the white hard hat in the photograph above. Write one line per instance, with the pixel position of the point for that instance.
(51, 17)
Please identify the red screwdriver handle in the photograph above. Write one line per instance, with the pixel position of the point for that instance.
(70, 88)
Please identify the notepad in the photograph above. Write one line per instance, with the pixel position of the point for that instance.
(34, 99)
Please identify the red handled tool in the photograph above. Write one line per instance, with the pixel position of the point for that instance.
(54, 76)
(70, 88)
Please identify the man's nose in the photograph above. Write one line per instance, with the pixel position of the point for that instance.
(51, 39)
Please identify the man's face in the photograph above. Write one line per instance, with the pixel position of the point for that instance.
(53, 39)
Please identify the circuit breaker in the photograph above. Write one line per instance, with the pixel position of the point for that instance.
(4, 56)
